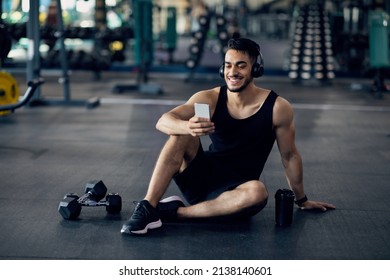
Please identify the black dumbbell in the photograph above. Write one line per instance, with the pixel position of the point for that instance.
(70, 206)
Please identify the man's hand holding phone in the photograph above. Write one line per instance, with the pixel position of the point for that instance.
(201, 124)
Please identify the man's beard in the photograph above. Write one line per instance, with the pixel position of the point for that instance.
(241, 88)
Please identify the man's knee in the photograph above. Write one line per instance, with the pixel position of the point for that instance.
(257, 198)
(255, 191)
(184, 147)
(186, 143)
(256, 208)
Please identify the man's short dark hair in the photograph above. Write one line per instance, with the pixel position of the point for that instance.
(245, 45)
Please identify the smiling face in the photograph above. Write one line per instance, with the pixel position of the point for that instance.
(237, 70)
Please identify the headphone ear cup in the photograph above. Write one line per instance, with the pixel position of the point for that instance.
(261, 70)
(222, 71)
(256, 70)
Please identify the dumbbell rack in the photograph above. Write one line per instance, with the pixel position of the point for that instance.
(199, 38)
(311, 58)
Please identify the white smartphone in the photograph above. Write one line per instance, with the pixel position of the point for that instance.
(202, 110)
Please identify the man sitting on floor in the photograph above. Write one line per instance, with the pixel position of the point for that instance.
(224, 180)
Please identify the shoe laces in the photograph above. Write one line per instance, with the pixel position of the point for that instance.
(140, 210)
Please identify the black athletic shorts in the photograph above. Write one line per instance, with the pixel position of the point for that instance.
(206, 177)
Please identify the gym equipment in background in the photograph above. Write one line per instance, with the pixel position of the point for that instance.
(9, 88)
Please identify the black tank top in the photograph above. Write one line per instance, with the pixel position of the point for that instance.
(243, 145)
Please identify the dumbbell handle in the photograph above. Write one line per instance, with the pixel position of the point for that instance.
(86, 200)
(94, 203)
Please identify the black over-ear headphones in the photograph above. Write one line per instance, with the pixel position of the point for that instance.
(257, 68)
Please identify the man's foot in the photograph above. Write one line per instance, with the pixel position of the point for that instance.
(144, 217)
(167, 208)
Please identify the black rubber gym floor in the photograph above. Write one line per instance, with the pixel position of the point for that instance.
(48, 151)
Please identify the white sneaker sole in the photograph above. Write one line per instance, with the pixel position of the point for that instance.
(172, 198)
(152, 225)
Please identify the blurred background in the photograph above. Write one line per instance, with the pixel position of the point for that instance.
(304, 40)
(330, 59)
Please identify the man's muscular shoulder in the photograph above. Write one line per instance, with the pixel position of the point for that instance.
(209, 96)
(283, 112)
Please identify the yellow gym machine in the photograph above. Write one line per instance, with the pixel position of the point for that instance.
(34, 66)
(9, 88)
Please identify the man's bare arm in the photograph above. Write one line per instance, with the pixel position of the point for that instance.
(182, 120)
(291, 158)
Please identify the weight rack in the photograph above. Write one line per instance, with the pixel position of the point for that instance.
(33, 60)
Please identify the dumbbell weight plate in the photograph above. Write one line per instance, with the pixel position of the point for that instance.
(114, 203)
(97, 188)
(69, 208)
(9, 90)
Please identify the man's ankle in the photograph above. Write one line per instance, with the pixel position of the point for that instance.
(152, 202)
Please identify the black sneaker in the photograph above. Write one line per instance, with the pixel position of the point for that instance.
(144, 217)
(167, 208)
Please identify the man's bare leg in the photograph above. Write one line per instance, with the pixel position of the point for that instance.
(248, 197)
(176, 154)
